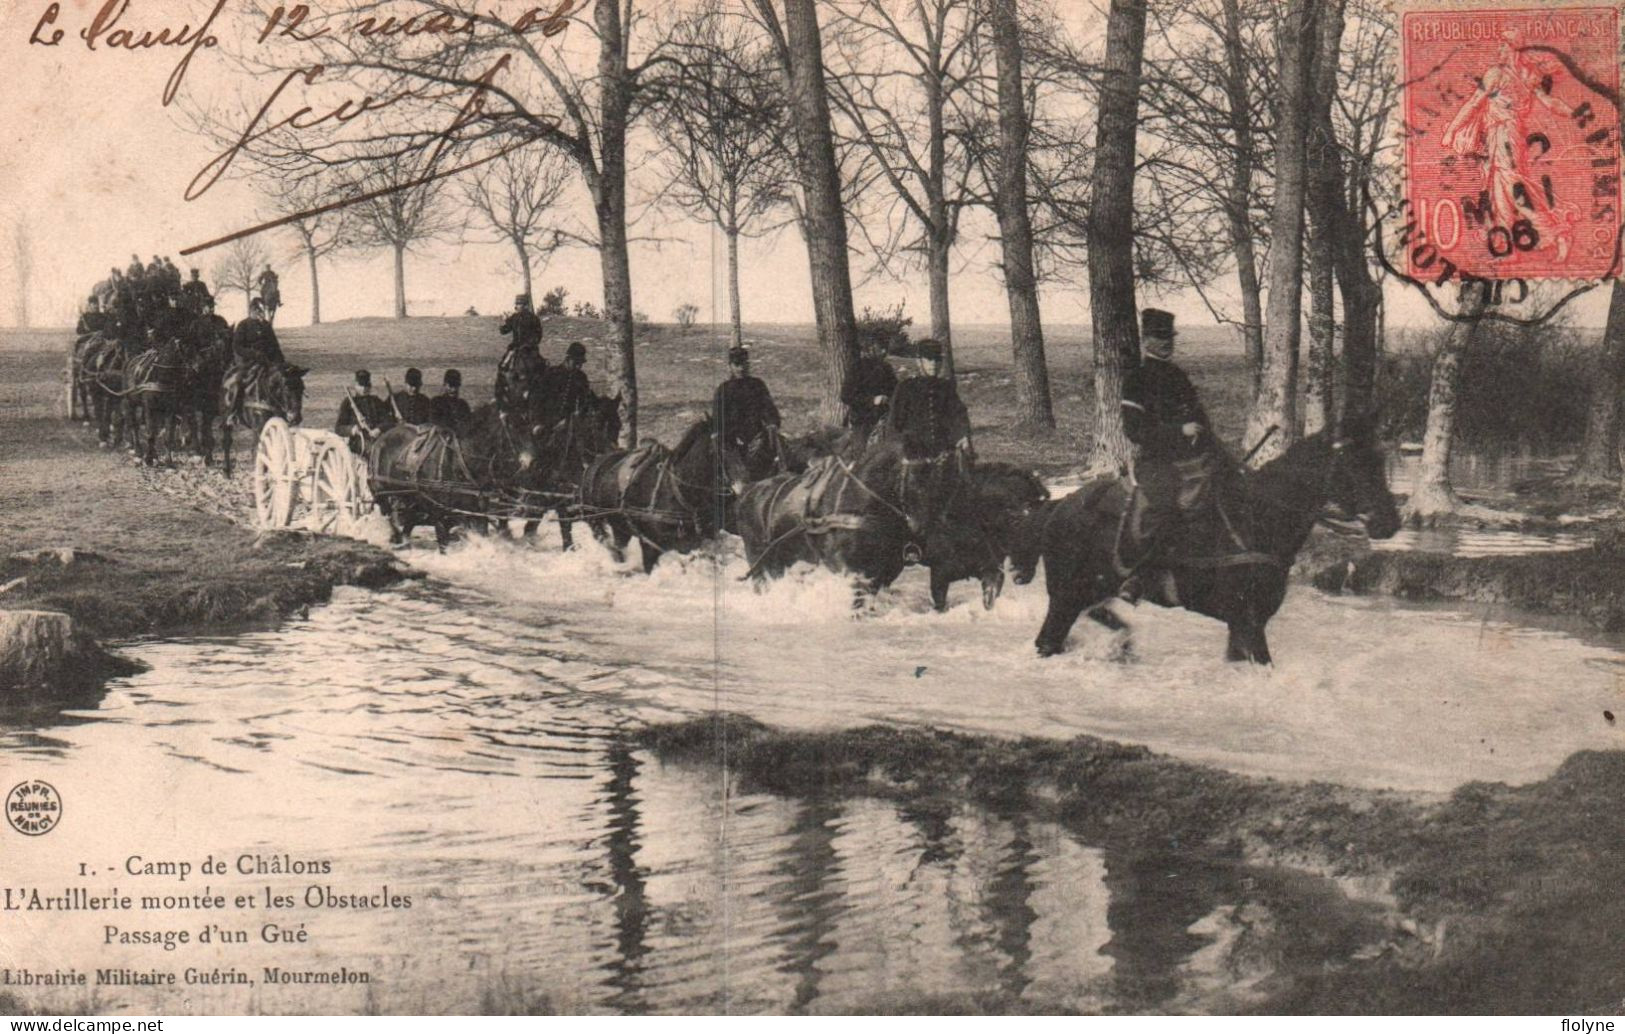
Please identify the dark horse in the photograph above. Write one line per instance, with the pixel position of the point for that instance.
(976, 533)
(101, 381)
(671, 499)
(263, 390)
(157, 393)
(1232, 559)
(206, 371)
(868, 516)
(496, 468)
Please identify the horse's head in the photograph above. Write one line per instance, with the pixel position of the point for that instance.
(1359, 477)
(1027, 543)
(735, 466)
(285, 391)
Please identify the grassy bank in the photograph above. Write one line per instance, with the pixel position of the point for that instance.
(87, 534)
(1503, 896)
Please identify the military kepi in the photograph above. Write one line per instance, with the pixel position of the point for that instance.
(1156, 323)
(928, 349)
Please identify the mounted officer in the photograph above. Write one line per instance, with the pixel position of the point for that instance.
(742, 409)
(270, 292)
(414, 406)
(92, 321)
(868, 389)
(253, 340)
(927, 411)
(1164, 418)
(195, 297)
(362, 415)
(448, 409)
(570, 389)
(520, 371)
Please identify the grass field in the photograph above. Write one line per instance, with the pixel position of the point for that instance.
(677, 373)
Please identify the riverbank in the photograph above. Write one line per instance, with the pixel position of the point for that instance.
(88, 536)
(1493, 899)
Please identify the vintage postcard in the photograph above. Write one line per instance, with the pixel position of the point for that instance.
(810, 507)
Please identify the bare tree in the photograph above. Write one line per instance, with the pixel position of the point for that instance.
(1432, 496)
(318, 233)
(22, 266)
(1324, 188)
(902, 71)
(1111, 229)
(1276, 403)
(401, 212)
(722, 124)
(238, 266)
(516, 196)
(1015, 224)
(797, 42)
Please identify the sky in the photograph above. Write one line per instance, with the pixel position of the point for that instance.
(98, 168)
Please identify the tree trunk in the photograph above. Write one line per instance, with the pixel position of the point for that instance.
(824, 222)
(1276, 403)
(1015, 226)
(1432, 496)
(400, 281)
(735, 316)
(1598, 462)
(315, 289)
(615, 101)
(1111, 230)
(524, 265)
(1362, 303)
(941, 326)
(1324, 187)
(1238, 203)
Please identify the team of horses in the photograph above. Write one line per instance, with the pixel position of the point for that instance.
(179, 384)
(862, 506)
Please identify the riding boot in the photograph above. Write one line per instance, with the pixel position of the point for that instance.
(1133, 587)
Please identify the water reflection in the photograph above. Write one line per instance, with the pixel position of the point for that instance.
(473, 762)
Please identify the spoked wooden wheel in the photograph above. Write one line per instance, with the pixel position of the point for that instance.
(273, 475)
(334, 491)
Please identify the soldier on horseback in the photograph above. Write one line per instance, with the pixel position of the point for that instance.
(270, 292)
(868, 389)
(742, 408)
(927, 412)
(573, 390)
(520, 370)
(195, 297)
(91, 321)
(413, 406)
(448, 409)
(253, 340)
(1163, 416)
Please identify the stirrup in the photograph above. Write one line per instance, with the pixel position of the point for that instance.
(912, 554)
(1132, 589)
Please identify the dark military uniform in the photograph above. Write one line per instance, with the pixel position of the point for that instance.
(374, 413)
(270, 292)
(871, 378)
(90, 323)
(255, 341)
(525, 326)
(742, 408)
(415, 408)
(195, 297)
(928, 413)
(450, 411)
(1158, 401)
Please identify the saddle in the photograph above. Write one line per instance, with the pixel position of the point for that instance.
(635, 462)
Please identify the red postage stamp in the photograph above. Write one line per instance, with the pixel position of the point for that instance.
(1512, 142)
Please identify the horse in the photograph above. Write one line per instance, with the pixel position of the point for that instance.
(101, 373)
(571, 446)
(156, 394)
(207, 361)
(425, 474)
(1230, 560)
(672, 500)
(866, 516)
(975, 535)
(262, 390)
